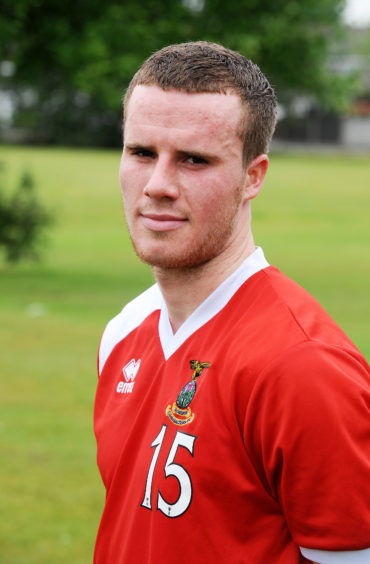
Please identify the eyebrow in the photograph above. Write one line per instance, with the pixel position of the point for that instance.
(133, 146)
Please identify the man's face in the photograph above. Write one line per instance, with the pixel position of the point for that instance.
(182, 176)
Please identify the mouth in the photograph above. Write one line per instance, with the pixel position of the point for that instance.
(162, 221)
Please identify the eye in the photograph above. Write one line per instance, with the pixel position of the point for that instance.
(140, 152)
(144, 153)
(195, 160)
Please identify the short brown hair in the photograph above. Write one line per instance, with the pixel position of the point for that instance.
(201, 66)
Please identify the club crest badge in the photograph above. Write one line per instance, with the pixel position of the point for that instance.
(179, 412)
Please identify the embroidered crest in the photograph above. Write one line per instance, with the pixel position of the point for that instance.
(179, 412)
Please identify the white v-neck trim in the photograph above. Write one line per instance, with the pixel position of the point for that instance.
(214, 303)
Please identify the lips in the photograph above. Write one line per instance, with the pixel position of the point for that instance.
(162, 221)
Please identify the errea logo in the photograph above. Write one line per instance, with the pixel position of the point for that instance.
(129, 372)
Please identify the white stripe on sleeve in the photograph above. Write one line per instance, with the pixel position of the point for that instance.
(337, 557)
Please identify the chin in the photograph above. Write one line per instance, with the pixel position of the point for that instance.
(188, 259)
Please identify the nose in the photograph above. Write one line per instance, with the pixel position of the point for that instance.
(162, 182)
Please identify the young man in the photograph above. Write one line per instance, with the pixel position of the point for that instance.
(232, 414)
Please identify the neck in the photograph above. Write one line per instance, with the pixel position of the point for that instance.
(185, 289)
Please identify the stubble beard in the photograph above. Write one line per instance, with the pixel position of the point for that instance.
(190, 257)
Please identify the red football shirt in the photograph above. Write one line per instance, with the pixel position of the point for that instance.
(239, 439)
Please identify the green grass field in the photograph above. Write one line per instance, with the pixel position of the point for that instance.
(311, 219)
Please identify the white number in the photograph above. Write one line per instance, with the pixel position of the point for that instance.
(171, 469)
(148, 488)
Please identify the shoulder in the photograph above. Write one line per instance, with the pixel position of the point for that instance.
(295, 313)
(131, 317)
(281, 324)
(313, 365)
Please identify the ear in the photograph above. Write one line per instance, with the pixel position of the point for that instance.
(254, 176)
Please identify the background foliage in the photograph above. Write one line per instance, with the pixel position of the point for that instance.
(71, 59)
(23, 219)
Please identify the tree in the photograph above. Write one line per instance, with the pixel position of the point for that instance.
(74, 59)
(23, 220)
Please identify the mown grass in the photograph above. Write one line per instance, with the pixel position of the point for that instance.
(311, 219)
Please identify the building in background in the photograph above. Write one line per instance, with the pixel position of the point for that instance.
(305, 122)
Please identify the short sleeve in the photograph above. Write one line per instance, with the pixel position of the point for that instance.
(309, 427)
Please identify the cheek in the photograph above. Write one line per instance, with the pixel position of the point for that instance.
(217, 192)
(131, 181)
(128, 192)
(207, 212)
(121, 176)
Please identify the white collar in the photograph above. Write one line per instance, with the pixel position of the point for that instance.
(214, 303)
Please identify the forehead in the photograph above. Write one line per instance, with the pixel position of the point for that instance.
(174, 110)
